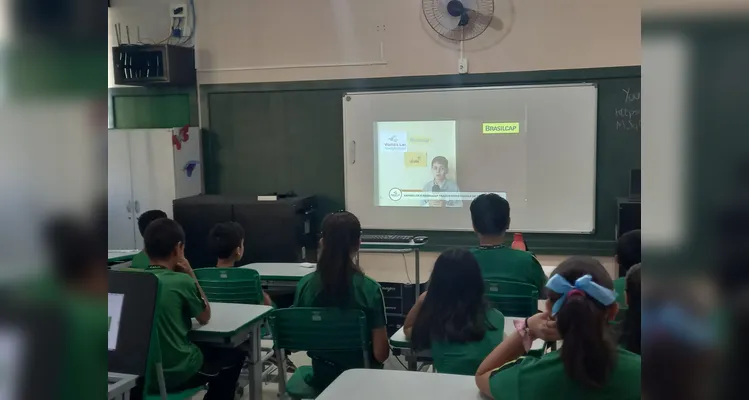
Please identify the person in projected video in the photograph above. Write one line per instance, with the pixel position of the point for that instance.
(440, 183)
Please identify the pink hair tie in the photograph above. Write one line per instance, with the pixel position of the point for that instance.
(525, 333)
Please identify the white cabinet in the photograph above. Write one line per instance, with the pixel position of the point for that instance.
(148, 169)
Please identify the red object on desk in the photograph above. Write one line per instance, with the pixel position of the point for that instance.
(518, 243)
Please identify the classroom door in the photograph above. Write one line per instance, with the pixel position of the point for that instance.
(121, 222)
(152, 166)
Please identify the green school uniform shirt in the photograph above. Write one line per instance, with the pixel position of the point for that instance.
(502, 262)
(366, 296)
(465, 358)
(531, 378)
(620, 286)
(140, 261)
(179, 301)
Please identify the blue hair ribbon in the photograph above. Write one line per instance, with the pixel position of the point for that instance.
(585, 284)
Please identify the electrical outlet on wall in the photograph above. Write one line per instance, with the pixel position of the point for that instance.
(178, 10)
(463, 66)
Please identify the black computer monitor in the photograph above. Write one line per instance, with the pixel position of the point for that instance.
(34, 341)
(132, 304)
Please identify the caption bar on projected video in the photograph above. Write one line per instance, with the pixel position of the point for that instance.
(431, 196)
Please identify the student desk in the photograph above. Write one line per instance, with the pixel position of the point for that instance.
(399, 341)
(231, 325)
(279, 276)
(120, 385)
(397, 248)
(121, 255)
(548, 269)
(376, 384)
(118, 259)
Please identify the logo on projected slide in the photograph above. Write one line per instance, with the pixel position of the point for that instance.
(396, 142)
(501, 128)
(395, 194)
(419, 139)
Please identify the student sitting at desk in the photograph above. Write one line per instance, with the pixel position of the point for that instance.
(490, 214)
(226, 240)
(140, 260)
(453, 318)
(628, 253)
(338, 282)
(181, 298)
(588, 366)
(630, 337)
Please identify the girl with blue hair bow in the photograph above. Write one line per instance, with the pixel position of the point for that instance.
(580, 306)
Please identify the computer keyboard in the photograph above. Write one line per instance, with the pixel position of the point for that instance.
(388, 239)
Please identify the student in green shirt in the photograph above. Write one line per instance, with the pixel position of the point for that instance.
(226, 240)
(628, 253)
(140, 260)
(339, 283)
(630, 337)
(181, 298)
(453, 318)
(490, 214)
(589, 365)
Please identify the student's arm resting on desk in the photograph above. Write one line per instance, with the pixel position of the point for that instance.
(510, 349)
(504, 359)
(200, 308)
(408, 325)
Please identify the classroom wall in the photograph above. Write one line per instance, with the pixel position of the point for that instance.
(285, 40)
(289, 40)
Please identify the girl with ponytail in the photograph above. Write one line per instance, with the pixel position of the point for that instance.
(338, 282)
(588, 366)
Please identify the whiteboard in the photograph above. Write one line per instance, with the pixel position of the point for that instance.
(415, 159)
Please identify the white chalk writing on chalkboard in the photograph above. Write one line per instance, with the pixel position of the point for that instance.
(628, 117)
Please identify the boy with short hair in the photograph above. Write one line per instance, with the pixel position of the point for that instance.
(140, 260)
(181, 298)
(226, 240)
(490, 214)
(628, 253)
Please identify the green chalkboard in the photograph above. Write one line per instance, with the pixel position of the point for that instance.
(277, 137)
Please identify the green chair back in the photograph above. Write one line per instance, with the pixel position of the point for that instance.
(513, 299)
(320, 329)
(316, 329)
(231, 285)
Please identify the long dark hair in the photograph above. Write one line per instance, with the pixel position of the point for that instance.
(454, 309)
(341, 236)
(631, 334)
(589, 352)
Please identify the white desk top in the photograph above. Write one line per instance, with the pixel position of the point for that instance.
(509, 329)
(121, 253)
(227, 318)
(280, 270)
(548, 269)
(376, 384)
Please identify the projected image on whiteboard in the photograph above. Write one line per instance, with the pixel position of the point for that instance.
(417, 166)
